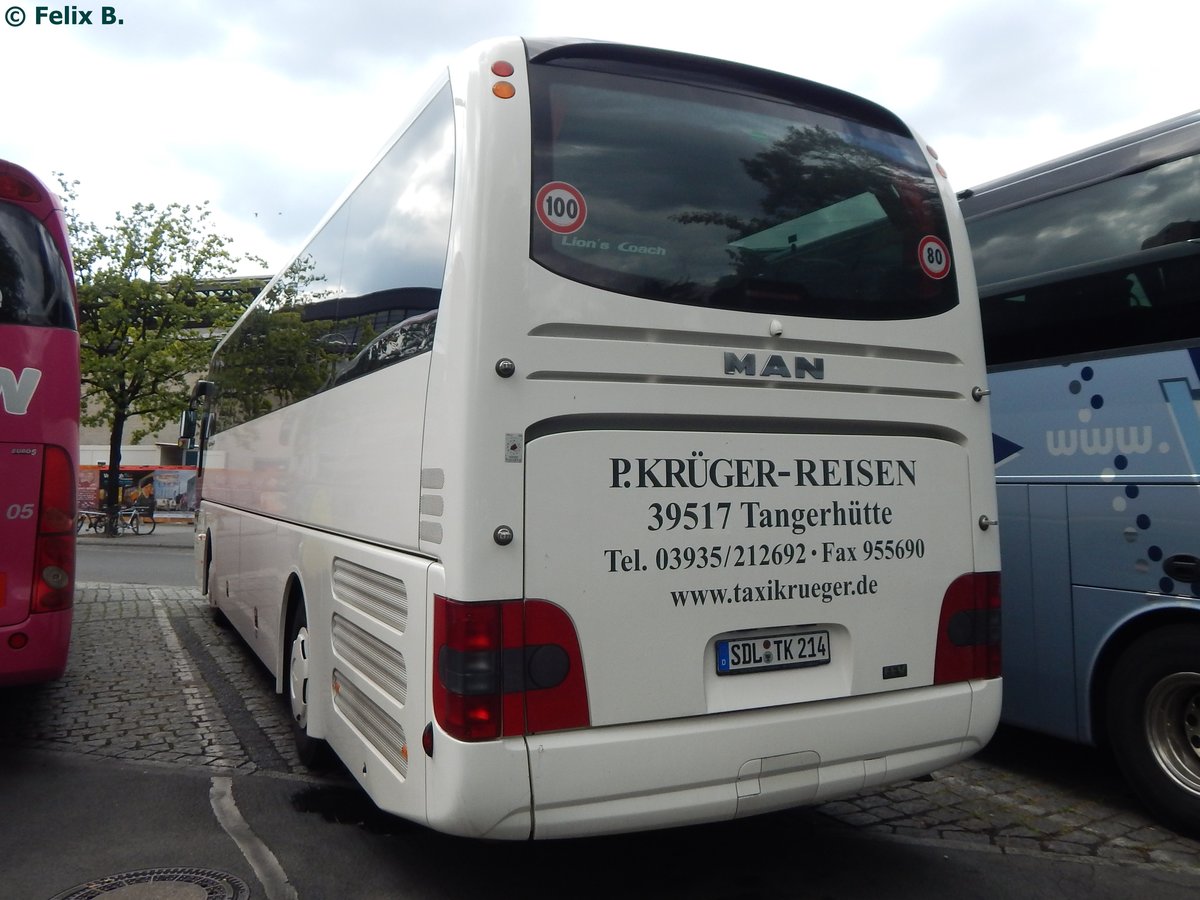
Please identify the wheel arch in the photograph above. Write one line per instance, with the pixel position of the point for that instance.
(206, 569)
(293, 602)
(1116, 645)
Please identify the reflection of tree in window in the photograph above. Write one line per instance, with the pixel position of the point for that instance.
(834, 219)
(299, 339)
(402, 341)
(34, 288)
(275, 357)
(379, 260)
(1174, 233)
(12, 307)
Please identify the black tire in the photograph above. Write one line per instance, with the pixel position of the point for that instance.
(148, 525)
(79, 523)
(210, 590)
(1154, 722)
(314, 753)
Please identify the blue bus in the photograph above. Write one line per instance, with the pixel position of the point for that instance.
(1089, 280)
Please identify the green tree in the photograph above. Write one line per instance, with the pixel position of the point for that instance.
(156, 290)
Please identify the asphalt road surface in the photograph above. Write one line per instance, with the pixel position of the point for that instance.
(164, 558)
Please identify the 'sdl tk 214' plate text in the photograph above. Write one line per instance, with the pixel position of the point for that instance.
(779, 651)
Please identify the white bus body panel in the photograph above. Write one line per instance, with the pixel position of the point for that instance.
(715, 768)
(653, 575)
(375, 682)
(331, 461)
(367, 606)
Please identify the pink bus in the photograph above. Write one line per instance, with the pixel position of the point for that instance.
(39, 430)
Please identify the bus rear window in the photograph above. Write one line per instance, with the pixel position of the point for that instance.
(34, 285)
(717, 195)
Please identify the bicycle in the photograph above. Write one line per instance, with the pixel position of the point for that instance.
(127, 519)
(90, 520)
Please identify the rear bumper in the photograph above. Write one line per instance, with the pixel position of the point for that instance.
(44, 654)
(665, 774)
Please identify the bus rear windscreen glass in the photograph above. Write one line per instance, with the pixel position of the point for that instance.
(34, 286)
(693, 194)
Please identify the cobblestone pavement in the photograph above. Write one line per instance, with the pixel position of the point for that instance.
(988, 803)
(152, 677)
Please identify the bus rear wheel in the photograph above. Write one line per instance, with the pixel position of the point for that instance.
(1154, 722)
(313, 752)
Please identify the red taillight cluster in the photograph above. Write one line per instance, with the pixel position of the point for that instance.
(968, 639)
(13, 187)
(54, 556)
(507, 667)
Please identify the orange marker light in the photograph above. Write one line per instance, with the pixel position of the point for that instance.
(504, 90)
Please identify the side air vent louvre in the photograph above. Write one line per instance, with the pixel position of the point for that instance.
(377, 595)
(379, 729)
(382, 664)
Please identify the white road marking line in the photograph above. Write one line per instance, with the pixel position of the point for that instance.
(266, 867)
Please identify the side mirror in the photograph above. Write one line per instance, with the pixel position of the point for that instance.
(187, 426)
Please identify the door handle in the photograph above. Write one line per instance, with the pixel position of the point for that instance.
(1182, 567)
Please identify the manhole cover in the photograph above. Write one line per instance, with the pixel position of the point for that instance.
(161, 884)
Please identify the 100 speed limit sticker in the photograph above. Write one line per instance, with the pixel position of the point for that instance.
(561, 207)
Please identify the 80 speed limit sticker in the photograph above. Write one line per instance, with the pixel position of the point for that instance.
(934, 257)
(561, 207)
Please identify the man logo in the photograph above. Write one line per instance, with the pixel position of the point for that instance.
(775, 365)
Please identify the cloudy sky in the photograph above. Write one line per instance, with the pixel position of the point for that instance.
(267, 108)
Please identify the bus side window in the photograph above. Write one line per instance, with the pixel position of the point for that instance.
(1148, 304)
(347, 301)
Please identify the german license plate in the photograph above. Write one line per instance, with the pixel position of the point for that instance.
(779, 651)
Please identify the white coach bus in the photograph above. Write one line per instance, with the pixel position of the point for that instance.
(616, 454)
